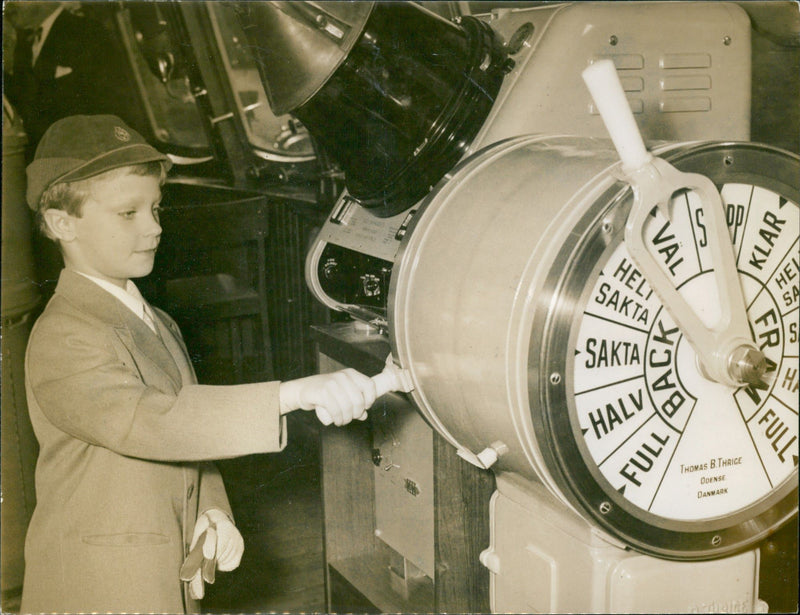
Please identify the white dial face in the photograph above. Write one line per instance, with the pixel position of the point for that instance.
(669, 440)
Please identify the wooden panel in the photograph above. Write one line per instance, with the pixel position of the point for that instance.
(291, 305)
(255, 244)
(348, 490)
(210, 276)
(461, 500)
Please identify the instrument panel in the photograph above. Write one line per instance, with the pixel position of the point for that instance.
(648, 417)
(669, 446)
(349, 267)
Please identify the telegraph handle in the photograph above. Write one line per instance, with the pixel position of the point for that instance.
(609, 98)
(392, 378)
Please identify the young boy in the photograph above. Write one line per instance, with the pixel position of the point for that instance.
(124, 483)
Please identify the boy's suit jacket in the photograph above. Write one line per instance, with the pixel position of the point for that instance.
(126, 438)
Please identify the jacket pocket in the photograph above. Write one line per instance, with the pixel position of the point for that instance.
(130, 539)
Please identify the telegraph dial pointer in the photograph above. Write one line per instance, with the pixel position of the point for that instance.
(726, 351)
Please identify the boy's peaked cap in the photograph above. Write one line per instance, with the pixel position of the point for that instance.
(82, 146)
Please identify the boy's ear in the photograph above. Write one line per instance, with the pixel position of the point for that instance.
(60, 224)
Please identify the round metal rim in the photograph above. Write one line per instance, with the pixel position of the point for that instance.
(574, 269)
(451, 133)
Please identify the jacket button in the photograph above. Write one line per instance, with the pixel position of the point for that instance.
(190, 491)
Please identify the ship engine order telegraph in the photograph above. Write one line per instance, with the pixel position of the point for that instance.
(612, 330)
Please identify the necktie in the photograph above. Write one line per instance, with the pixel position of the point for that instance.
(36, 45)
(149, 318)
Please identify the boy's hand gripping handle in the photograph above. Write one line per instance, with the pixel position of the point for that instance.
(392, 378)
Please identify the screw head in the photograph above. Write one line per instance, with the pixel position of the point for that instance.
(747, 364)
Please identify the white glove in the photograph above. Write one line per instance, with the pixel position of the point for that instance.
(345, 395)
(221, 548)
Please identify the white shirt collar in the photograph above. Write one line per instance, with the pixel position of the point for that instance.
(130, 297)
(46, 26)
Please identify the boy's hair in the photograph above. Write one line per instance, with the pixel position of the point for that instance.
(70, 196)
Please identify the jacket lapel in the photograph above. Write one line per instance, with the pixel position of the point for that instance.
(171, 336)
(144, 345)
(148, 349)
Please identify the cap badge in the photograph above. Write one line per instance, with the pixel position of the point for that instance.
(121, 134)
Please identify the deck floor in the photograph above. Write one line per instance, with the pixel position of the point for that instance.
(278, 509)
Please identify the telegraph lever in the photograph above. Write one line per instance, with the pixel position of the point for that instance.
(726, 351)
